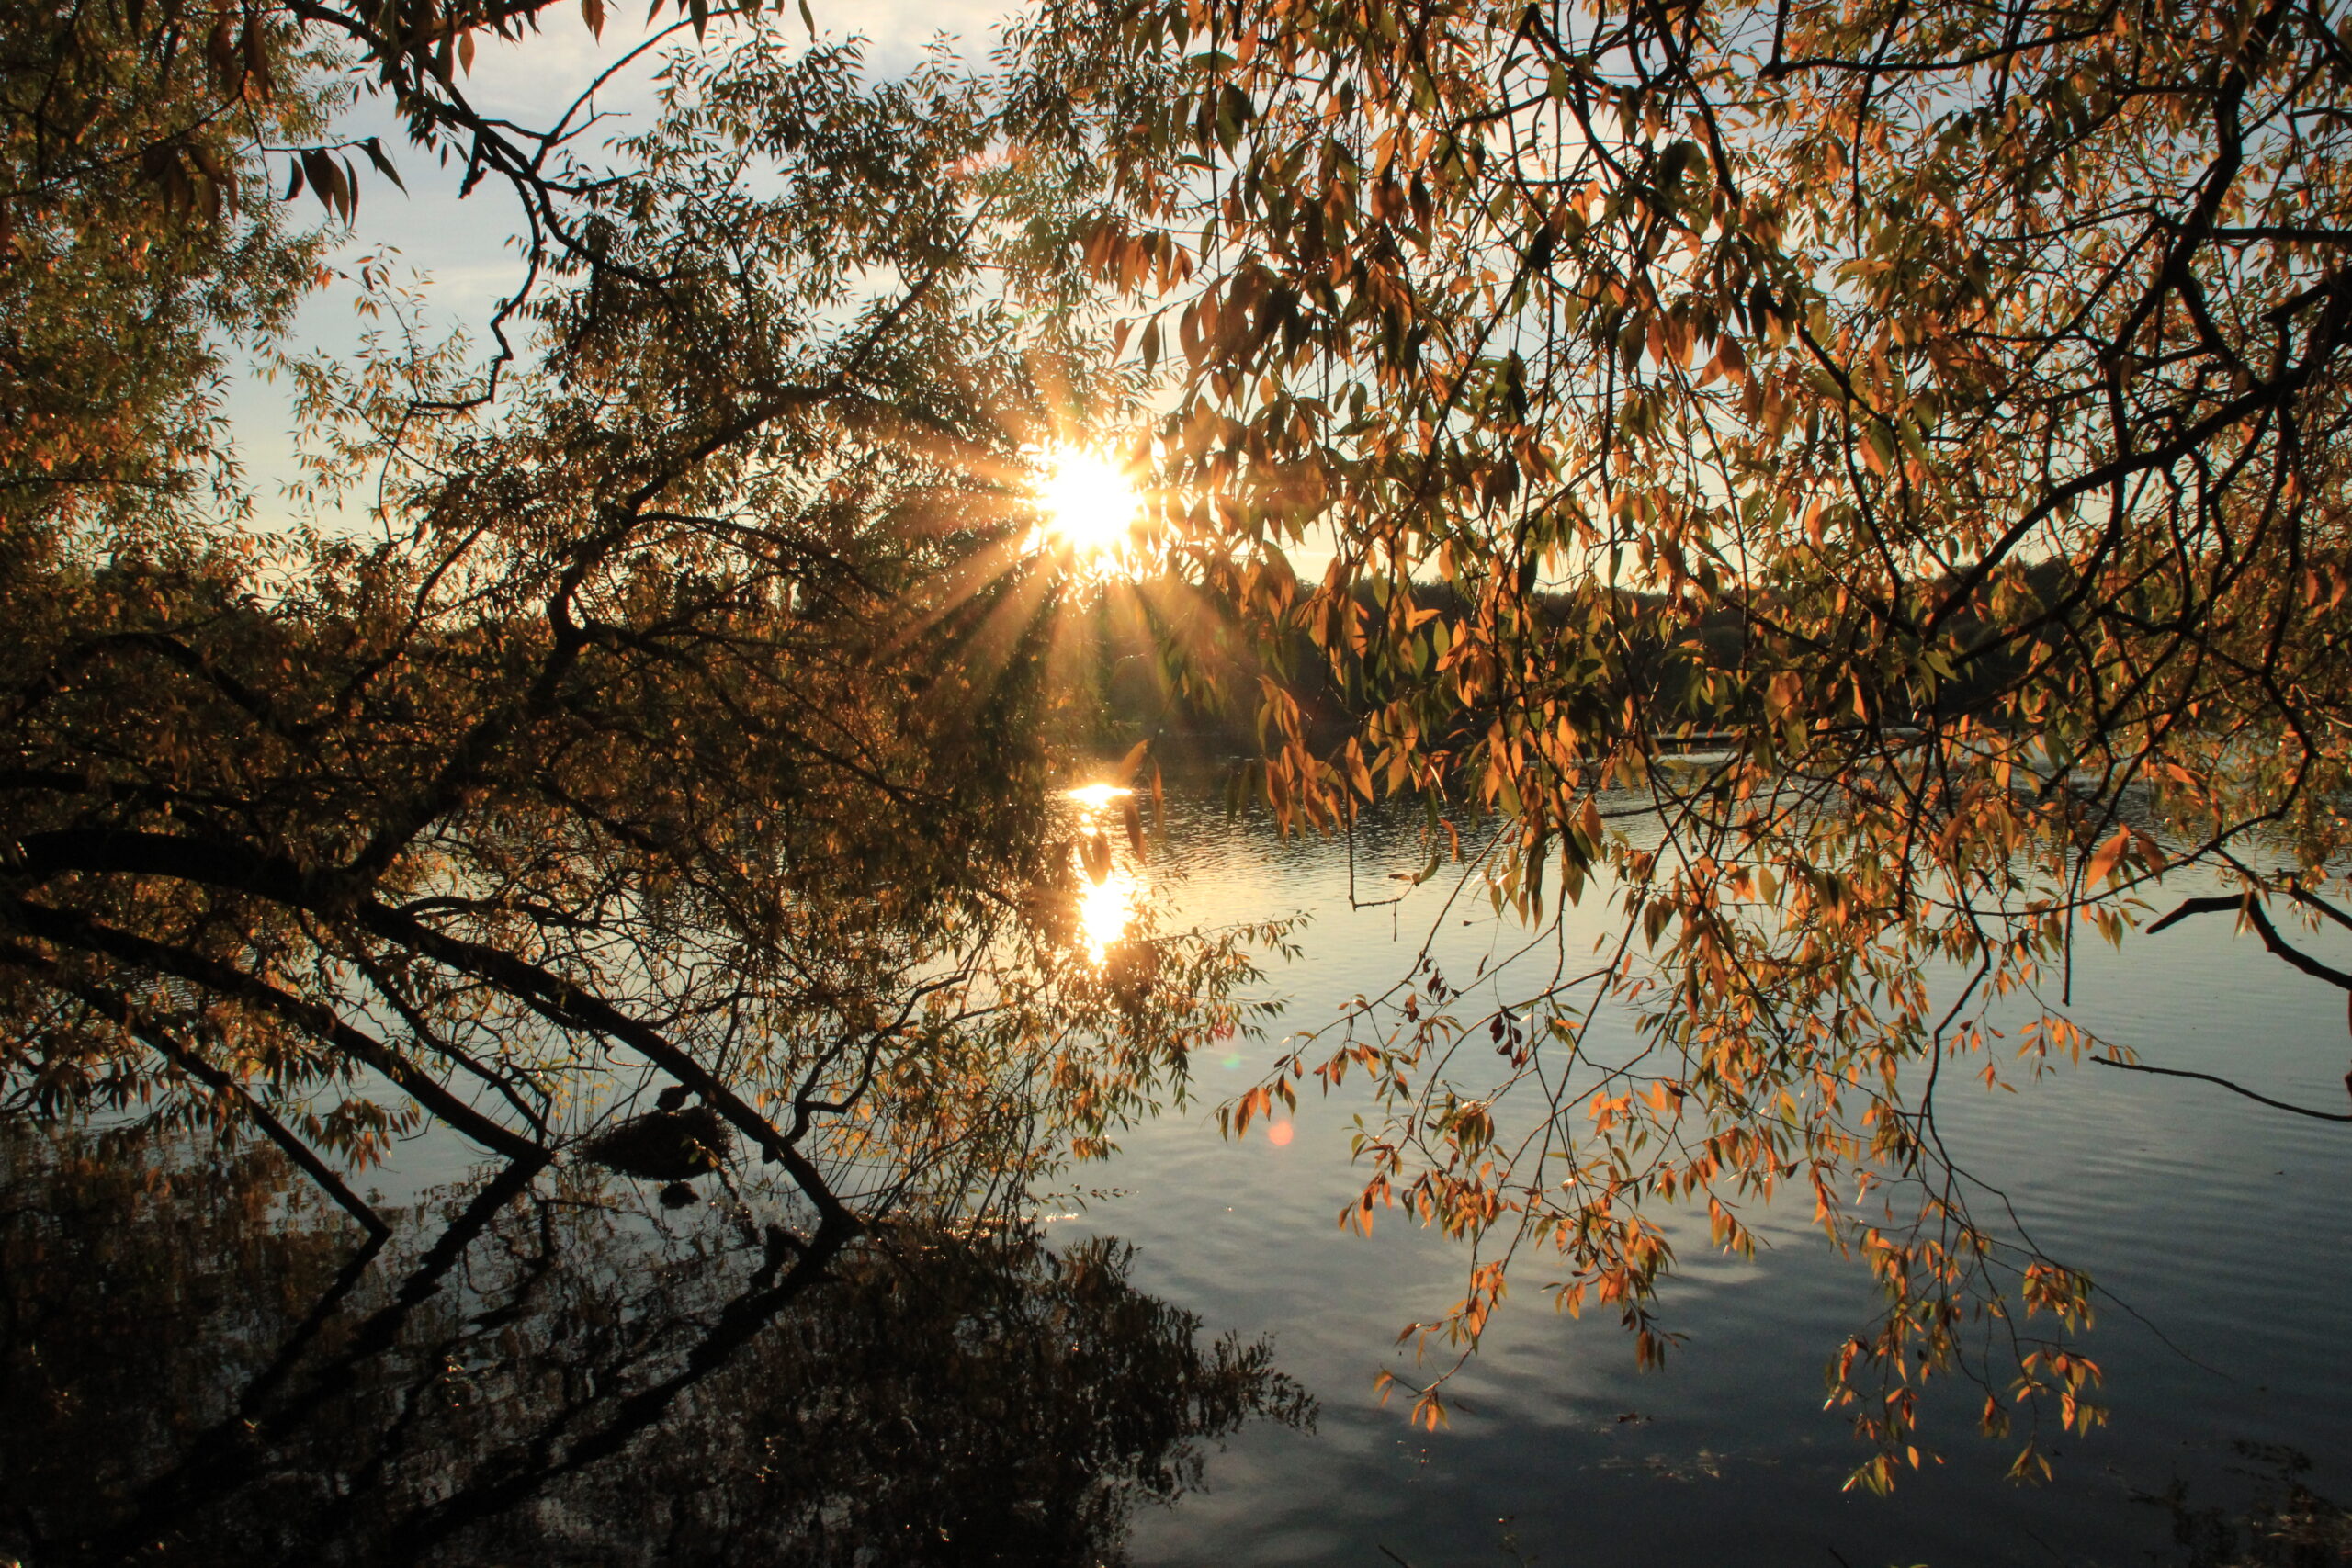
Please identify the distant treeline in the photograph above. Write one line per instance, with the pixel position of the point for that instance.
(1192, 681)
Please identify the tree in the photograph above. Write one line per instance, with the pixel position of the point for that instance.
(133, 234)
(676, 718)
(1930, 418)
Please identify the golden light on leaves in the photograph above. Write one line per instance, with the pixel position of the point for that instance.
(1089, 504)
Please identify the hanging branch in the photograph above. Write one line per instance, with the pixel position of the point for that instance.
(2232, 1087)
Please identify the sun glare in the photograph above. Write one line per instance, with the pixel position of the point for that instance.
(1088, 502)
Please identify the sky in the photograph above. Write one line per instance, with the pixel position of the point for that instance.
(463, 248)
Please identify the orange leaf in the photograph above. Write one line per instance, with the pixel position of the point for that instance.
(2102, 861)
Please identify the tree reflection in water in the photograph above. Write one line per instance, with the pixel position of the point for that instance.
(198, 1368)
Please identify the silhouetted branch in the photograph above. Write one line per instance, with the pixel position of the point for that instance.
(117, 1009)
(2233, 1089)
(2199, 906)
(226, 979)
(2250, 908)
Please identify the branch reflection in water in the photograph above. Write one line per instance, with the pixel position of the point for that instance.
(201, 1365)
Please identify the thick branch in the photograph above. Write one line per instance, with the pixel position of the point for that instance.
(45, 855)
(69, 929)
(117, 1008)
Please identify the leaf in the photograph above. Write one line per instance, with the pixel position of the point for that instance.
(383, 164)
(220, 52)
(1128, 764)
(256, 60)
(219, 188)
(1094, 852)
(592, 13)
(2104, 860)
(326, 180)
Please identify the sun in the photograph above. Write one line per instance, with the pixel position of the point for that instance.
(1090, 503)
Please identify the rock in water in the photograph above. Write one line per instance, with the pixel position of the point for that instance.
(665, 1145)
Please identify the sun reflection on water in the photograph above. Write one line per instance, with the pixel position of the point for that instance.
(1113, 890)
(1105, 909)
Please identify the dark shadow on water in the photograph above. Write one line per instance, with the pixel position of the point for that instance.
(198, 1366)
(2284, 1524)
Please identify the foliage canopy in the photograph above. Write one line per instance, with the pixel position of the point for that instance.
(675, 709)
(1860, 484)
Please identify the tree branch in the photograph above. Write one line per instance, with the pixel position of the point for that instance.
(117, 1008)
(2233, 1089)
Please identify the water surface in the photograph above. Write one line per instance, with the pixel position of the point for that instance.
(2220, 1231)
(196, 1367)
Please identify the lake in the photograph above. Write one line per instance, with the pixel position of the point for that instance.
(2220, 1230)
(564, 1380)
